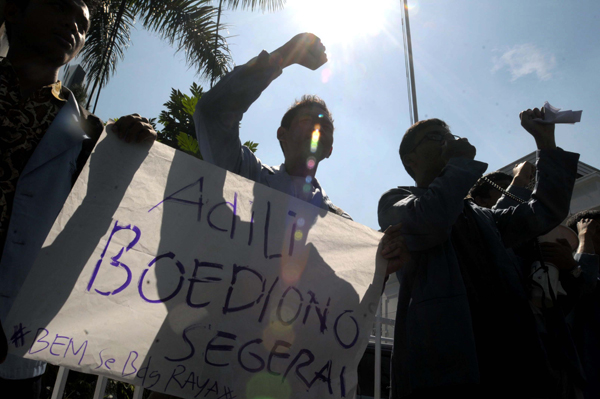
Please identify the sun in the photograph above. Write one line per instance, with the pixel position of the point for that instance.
(341, 21)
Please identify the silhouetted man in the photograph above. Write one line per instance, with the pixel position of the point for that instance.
(464, 325)
(45, 139)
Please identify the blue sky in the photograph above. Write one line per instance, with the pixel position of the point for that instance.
(477, 65)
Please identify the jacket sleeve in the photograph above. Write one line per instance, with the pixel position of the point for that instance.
(587, 281)
(505, 201)
(219, 113)
(427, 215)
(549, 203)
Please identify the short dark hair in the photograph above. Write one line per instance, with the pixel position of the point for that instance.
(482, 188)
(22, 4)
(408, 140)
(306, 101)
(589, 214)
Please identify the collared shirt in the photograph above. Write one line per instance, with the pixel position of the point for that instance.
(23, 123)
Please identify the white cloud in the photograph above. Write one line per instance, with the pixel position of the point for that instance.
(524, 59)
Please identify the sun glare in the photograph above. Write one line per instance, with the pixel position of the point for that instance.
(340, 21)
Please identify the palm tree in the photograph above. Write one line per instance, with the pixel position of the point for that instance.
(189, 25)
(271, 5)
(178, 122)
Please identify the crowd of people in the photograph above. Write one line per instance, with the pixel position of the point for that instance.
(470, 319)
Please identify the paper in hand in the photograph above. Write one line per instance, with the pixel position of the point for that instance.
(555, 115)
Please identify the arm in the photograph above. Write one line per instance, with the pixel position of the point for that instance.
(505, 201)
(523, 173)
(3, 345)
(427, 215)
(586, 255)
(550, 201)
(588, 279)
(219, 111)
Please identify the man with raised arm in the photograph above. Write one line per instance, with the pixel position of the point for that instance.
(305, 134)
(45, 139)
(585, 317)
(464, 325)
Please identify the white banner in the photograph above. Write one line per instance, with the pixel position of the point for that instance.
(171, 273)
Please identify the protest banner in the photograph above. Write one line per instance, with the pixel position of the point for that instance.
(168, 272)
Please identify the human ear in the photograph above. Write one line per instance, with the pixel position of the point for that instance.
(281, 133)
(410, 160)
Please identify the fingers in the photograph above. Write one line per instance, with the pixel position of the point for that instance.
(392, 230)
(393, 247)
(526, 115)
(587, 226)
(134, 128)
(393, 242)
(305, 49)
(393, 250)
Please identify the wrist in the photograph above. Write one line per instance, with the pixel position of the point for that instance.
(586, 245)
(545, 144)
(520, 181)
(285, 54)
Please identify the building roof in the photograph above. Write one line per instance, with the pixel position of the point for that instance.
(586, 193)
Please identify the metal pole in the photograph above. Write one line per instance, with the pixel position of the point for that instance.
(377, 391)
(410, 64)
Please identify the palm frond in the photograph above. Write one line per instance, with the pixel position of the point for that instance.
(97, 53)
(253, 5)
(188, 25)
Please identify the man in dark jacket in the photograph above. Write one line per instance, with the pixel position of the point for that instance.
(463, 323)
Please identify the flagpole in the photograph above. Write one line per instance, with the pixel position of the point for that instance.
(411, 70)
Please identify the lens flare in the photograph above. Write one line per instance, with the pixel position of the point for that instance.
(301, 221)
(325, 75)
(308, 179)
(306, 188)
(277, 331)
(314, 142)
(311, 162)
(298, 236)
(353, 19)
(267, 386)
(291, 273)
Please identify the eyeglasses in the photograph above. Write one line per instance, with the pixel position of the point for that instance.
(435, 136)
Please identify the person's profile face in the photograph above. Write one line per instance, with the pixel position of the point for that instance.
(427, 149)
(54, 29)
